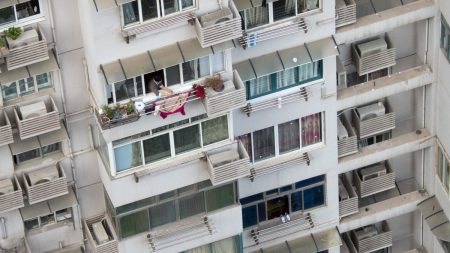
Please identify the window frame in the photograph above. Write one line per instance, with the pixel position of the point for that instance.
(17, 161)
(445, 167)
(35, 87)
(445, 37)
(55, 221)
(24, 21)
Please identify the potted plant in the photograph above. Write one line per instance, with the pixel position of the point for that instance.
(3, 47)
(215, 83)
(13, 32)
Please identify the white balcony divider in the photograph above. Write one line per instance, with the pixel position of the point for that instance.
(6, 136)
(303, 94)
(36, 123)
(279, 163)
(376, 125)
(222, 31)
(348, 206)
(376, 61)
(380, 241)
(188, 229)
(46, 190)
(275, 228)
(375, 185)
(111, 246)
(13, 200)
(228, 163)
(30, 53)
(345, 13)
(232, 97)
(348, 145)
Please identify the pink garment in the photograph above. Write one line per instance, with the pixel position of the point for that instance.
(172, 104)
(165, 114)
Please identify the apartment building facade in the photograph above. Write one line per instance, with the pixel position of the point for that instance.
(224, 126)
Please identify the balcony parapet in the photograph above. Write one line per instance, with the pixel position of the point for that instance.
(12, 200)
(6, 136)
(279, 163)
(349, 204)
(375, 185)
(347, 145)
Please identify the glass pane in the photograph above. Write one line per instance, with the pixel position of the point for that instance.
(309, 181)
(259, 86)
(43, 81)
(262, 212)
(314, 197)
(186, 139)
(22, 157)
(445, 180)
(139, 86)
(130, 13)
(27, 9)
(283, 9)
(220, 197)
(217, 62)
(296, 201)
(9, 91)
(7, 15)
(252, 198)
(30, 224)
(135, 205)
(124, 90)
(256, 16)
(63, 215)
(163, 214)
(289, 136)
(167, 195)
(173, 75)
(47, 219)
(50, 148)
(156, 148)
(149, 9)
(171, 6)
(128, 156)
(249, 216)
(264, 143)
(311, 129)
(26, 86)
(215, 130)
(439, 164)
(307, 5)
(187, 3)
(192, 205)
(133, 224)
(246, 141)
(277, 207)
(287, 78)
(189, 71)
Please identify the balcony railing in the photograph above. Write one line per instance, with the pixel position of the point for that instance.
(280, 163)
(374, 123)
(119, 116)
(276, 228)
(347, 145)
(12, 200)
(185, 230)
(345, 12)
(218, 26)
(371, 61)
(32, 49)
(37, 118)
(109, 246)
(45, 184)
(379, 238)
(228, 163)
(347, 204)
(382, 180)
(6, 136)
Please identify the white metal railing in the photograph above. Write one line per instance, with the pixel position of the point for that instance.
(279, 163)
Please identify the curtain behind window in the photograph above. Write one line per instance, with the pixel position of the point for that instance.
(130, 13)
(289, 136)
(283, 9)
(215, 130)
(311, 129)
(286, 78)
(259, 86)
(263, 143)
(257, 16)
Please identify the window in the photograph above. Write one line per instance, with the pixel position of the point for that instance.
(445, 33)
(228, 245)
(273, 11)
(300, 196)
(40, 152)
(140, 11)
(180, 74)
(443, 167)
(192, 200)
(284, 79)
(62, 216)
(19, 12)
(163, 145)
(26, 86)
(260, 144)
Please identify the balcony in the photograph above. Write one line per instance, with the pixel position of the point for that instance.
(37, 117)
(275, 228)
(345, 12)
(30, 47)
(373, 119)
(370, 238)
(11, 200)
(228, 163)
(374, 179)
(44, 184)
(218, 26)
(348, 200)
(6, 136)
(279, 163)
(110, 244)
(368, 60)
(172, 234)
(347, 138)
(114, 116)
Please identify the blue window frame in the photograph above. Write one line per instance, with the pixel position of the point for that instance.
(285, 79)
(249, 216)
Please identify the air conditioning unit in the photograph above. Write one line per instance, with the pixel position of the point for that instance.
(6, 186)
(371, 111)
(343, 193)
(33, 110)
(366, 232)
(99, 232)
(372, 47)
(216, 17)
(43, 175)
(342, 131)
(373, 171)
(27, 37)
